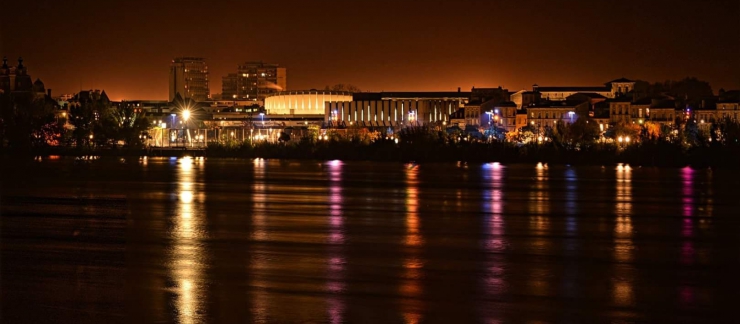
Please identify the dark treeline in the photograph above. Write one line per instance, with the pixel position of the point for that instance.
(422, 144)
(569, 144)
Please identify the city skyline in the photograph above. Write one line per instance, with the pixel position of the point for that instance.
(431, 48)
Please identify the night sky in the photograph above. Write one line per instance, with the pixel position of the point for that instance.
(125, 47)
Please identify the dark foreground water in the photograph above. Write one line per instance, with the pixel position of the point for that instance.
(194, 241)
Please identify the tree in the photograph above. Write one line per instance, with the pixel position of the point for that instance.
(343, 87)
(651, 131)
(84, 116)
(690, 91)
(622, 129)
(124, 123)
(27, 120)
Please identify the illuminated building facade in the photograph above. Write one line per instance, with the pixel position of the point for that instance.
(504, 116)
(549, 114)
(307, 102)
(394, 109)
(728, 105)
(189, 78)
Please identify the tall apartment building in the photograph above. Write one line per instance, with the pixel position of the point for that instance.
(228, 87)
(189, 78)
(257, 80)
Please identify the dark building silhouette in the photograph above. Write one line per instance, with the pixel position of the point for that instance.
(15, 79)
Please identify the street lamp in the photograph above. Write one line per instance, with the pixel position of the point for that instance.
(185, 117)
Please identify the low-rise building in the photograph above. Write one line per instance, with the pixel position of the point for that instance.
(663, 111)
(473, 116)
(548, 114)
(728, 105)
(394, 109)
(504, 116)
(619, 109)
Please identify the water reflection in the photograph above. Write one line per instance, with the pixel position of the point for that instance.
(687, 230)
(570, 273)
(259, 197)
(688, 251)
(622, 282)
(188, 257)
(259, 233)
(411, 287)
(335, 285)
(623, 211)
(494, 244)
(539, 206)
(539, 226)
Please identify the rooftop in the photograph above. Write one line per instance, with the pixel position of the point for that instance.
(573, 89)
(621, 80)
(410, 95)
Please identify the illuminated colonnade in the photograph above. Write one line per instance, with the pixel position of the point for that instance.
(305, 102)
(389, 112)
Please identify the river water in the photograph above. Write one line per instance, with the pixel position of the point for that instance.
(196, 240)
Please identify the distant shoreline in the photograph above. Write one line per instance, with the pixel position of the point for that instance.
(647, 155)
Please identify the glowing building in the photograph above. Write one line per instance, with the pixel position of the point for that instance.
(394, 109)
(306, 102)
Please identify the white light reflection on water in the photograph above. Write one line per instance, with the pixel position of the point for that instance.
(411, 288)
(188, 258)
(335, 285)
(622, 281)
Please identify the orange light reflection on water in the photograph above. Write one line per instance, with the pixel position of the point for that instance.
(623, 279)
(259, 264)
(411, 288)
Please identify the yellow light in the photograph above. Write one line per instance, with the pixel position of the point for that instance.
(186, 114)
(620, 139)
(627, 139)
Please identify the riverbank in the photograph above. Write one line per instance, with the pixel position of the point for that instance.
(646, 154)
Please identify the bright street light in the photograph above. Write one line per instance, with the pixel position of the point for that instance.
(186, 115)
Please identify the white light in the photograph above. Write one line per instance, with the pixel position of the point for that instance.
(627, 139)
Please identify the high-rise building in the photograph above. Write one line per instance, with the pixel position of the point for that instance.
(189, 78)
(228, 86)
(257, 80)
